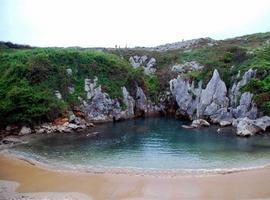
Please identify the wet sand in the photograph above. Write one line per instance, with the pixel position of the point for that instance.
(251, 184)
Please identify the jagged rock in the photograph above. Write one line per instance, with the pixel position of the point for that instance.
(235, 90)
(221, 115)
(187, 66)
(213, 97)
(148, 64)
(184, 95)
(25, 130)
(129, 102)
(248, 127)
(246, 108)
(90, 86)
(141, 100)
(58, 94)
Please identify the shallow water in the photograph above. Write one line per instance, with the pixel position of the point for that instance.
(149, 144)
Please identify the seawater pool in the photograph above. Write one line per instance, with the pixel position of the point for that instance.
(148, 144)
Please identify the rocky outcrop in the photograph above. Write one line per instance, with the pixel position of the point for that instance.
(186, 67)
(101, 108)
(144, 107)
(89, 87)
(235, 90)
(147, 63)
(129, 103)
(213, 97)
(246, 107)
(197, 102)
(213, 103)
(248, 127)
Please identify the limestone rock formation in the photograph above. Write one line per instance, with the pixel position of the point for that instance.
(213, 97)
(129, 102)
(147, 63)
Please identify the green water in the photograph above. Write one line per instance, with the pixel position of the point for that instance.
(149, 144)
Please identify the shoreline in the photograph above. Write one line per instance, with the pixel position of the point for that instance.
(133, 171)
(35, 179)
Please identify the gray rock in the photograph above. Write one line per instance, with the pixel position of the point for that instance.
(213, 97)
(225, 123)
(141, 100)
(248, 127)
(185, 96)
(69, 71)
(199, 123)
(71, 89)
(90, 86)
(187, 66)
(129, 102)
(58, 94)
(245, 105)
(235, 90)
(25, 130)
(148, 64)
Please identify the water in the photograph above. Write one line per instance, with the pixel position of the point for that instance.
(149, 144)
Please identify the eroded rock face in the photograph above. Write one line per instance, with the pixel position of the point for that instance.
(235, 90)
(129, 102)
(148, 64)
(101, 107)
(90, 86)
(185, 96)
(246, 107)
(213, 97)
(213, 102)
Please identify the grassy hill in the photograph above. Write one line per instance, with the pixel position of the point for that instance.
(30, 76)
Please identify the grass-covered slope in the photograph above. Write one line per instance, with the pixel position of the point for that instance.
(29, 78)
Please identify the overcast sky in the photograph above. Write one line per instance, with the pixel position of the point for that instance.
(105, 23)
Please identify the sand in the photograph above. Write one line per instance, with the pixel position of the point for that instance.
(33, 178)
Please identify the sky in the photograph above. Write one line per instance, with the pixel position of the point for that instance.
(106, 23)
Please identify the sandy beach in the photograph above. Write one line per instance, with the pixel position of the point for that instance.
(32, 178)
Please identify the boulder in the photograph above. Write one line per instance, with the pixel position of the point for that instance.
(199, 123)
(225, 123)
(249, 127)
(25, 131)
